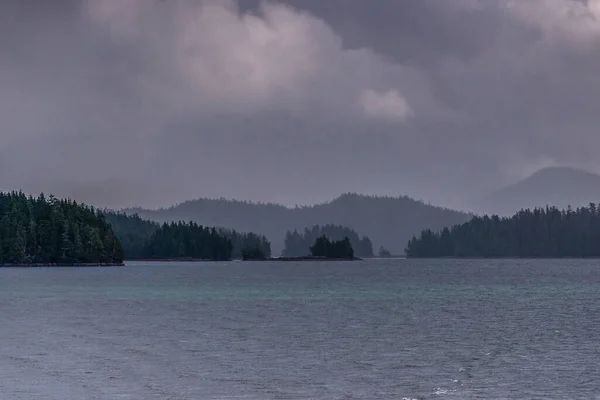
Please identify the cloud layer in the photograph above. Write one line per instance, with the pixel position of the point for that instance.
(151, 102)
(215, 58)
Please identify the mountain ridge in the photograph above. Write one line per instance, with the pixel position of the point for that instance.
(553, 186)
(388, 221)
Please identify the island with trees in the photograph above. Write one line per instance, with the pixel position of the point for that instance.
(189, 241)
(299, 244)
(49, 231)
(332, 249)
(323, 249)
(538, 233)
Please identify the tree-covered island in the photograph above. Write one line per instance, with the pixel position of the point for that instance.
(339, 249)
(323, 249)
(538, 233)
(298, 244)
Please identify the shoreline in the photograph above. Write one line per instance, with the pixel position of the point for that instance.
(174, 260)
(291, 259)
(26, 265)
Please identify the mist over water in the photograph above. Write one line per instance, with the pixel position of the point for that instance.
(375, 329)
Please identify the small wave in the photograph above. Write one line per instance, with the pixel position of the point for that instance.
(442, 391)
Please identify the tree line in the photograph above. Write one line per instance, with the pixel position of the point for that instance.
(51, 231)
(187, 240)
(247, 245)
(144, 239)
(299, 244)
(541, 232)
(387, 221)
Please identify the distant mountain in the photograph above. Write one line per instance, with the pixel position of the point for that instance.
(387, 221)
(556, 186)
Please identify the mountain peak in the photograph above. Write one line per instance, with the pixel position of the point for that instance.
(553, 186)
(561, 172)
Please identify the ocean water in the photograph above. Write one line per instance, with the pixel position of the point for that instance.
(393, 329)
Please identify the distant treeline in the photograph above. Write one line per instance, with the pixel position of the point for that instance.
(48, 230)
(387, 221)
(547, 232)
(143, 239)
(299, 244)
(247, 245)
(133, 232)
(187, 240)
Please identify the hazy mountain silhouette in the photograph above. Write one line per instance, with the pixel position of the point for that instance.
(555, 186)
(387, 221)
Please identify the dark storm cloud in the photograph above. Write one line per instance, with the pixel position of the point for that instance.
(149, 102)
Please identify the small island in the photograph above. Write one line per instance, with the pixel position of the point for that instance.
(298, 244)
(324, 249)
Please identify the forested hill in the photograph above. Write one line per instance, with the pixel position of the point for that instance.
(542, 232)
(144, 239)
(51, 231)
(387, 221)
(556, 186)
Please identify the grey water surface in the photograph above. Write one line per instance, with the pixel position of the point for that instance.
(393, 329)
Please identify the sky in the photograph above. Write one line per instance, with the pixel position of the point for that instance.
(150, 102)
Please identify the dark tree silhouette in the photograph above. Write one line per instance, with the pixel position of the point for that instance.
(323, 247)
(146, 240)
(49, 230)
(541, 232)
(253, 253)
(298, 245)
(187, 240)
(383, 252)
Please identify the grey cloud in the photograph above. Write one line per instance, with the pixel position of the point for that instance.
(124, 102)
(220, 59)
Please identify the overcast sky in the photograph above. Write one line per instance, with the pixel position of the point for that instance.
(149, 102)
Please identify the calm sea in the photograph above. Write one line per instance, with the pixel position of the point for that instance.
(395, 329)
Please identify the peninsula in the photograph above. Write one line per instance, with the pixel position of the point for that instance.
(51, 232)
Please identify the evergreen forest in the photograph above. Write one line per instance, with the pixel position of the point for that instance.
(187, 240)
(541, 232)
(51, 231)
(324, 247)
(143, 239)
